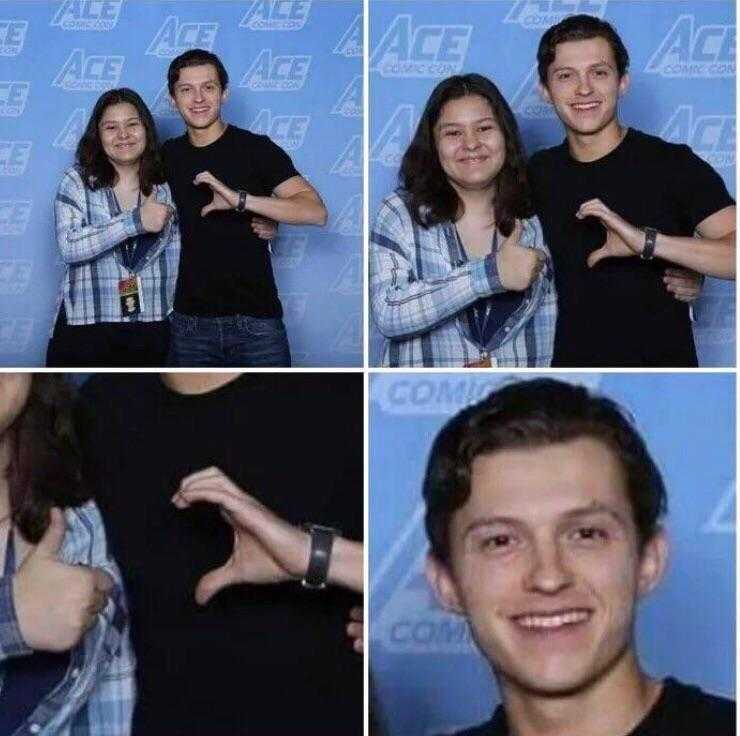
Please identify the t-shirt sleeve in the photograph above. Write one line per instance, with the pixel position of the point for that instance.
(700, 190)
(276, 166)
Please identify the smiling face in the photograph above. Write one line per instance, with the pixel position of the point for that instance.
(122, 134)
(583, 85)
(544, 561)
(198, 96)
(470, 143)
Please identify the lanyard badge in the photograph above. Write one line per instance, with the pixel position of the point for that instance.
(130, 296)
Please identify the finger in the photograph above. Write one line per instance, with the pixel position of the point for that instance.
(354, 630)
(215, 581)
(51, 542)
(208, 472)
(679, 282)
(208, 208)
(212, 494)
(685, 294)
(98, 603)
(212, 476)
(102, 581)
(596, 256)
(356, 613)
(682, 272)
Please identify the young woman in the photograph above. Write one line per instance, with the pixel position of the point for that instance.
(119, 242)
(459, 272)
(66, 664)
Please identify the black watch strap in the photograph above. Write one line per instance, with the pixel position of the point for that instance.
(242, 203)
(648, 249)
(322, 541)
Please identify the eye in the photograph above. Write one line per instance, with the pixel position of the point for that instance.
(485, 128)
(500, 542)
(562, 76)
(451, 133)
(589, 534)
(601, 73)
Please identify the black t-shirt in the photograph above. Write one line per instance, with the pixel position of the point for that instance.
(257, 660)
(619, 313)
(225, 268)
(681, 710)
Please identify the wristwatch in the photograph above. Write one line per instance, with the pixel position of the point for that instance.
(241, 205)
(649, 248)
(322, 540)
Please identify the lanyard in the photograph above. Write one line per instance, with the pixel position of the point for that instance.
(128, 247)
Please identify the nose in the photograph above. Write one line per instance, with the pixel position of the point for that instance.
(198, 94)
(470, 139)
(584, 85)
(548, 573)
(122, 133)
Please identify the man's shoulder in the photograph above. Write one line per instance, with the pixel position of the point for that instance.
(647, 145)
(246, 137)
(175, 142)
(689, 710)
(548, 156)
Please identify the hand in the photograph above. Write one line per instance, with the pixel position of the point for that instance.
(223, 197)
(266, 548)
(518, 266)
(355, 629)
(622, 239)
(684, 284)
(154, 215)
(264, 227)
(56, 603)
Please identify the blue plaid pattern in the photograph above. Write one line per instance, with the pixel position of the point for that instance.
(88, 234)
(96, 697)
(421, 283)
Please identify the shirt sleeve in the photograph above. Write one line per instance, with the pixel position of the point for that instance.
(109, 662)
(276, 166)
(78, 240)
(403, 305)
(700, 190)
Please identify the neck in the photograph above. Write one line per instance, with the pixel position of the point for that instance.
(205, 136)
(594, 146)
(197, 383)
(477, 202)
(612, 705)
(127, 175)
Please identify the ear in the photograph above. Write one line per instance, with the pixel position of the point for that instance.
(544, 93)
(624, 84)
(443, 584)
(653, 563)
(225, 95)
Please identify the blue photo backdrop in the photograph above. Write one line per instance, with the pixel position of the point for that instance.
(683, 89)
(296, 75)
(428, 677)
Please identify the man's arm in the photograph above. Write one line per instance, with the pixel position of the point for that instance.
(712, 253)
(295, 202)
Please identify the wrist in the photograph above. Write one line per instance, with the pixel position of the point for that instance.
(322, 540)
(647, 252)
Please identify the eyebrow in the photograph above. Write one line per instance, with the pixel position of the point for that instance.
(590, 510)
(555, 70)
(114, 120)
(479, 120)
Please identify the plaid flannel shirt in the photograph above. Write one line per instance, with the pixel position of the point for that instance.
(96, 696)
(89, 227)
(421, 284)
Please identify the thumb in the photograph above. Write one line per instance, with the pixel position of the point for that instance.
(514, 236)
(215, 581)
(597, 255)
(208, 208)
(52, 540)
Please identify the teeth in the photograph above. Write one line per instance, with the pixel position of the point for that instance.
(587, 106)
(552, 622)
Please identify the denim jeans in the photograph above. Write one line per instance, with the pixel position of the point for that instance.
(234, 341)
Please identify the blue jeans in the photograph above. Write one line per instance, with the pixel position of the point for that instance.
(238, 340)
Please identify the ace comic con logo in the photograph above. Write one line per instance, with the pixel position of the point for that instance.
(408, 50)
(282, 73)
(690, 50)
(15, 334)
(87, 15)
(12, 36)
(710, 136)
(14, 157)
(72, 130)
(541, 14)
(94, 73)
(175, 37)
(15, 276)
(350, 44)
(14, 216)
(391, 143)
(13, 98)
(276, 15)
(288, 131)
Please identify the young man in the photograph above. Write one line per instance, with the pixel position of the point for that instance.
(616, 205)
(227, 310)
(205, 482)
(542, 512)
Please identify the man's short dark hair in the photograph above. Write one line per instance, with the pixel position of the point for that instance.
(579, 28)
(532, 414)
(195, 57)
